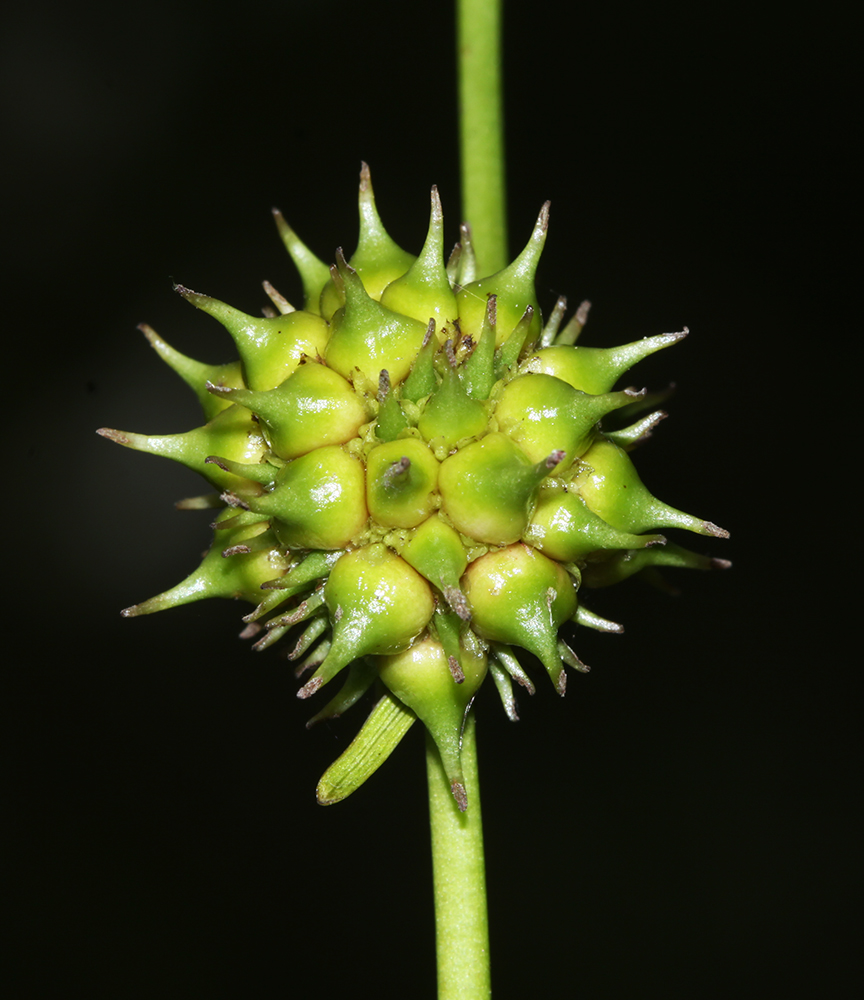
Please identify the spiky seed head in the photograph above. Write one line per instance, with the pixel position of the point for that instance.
(416, 480)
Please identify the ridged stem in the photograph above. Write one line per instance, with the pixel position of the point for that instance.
(461, 925)
(481, 123)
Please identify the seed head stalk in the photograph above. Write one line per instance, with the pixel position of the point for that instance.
(459, 874)
(458, 863)
(481, 125)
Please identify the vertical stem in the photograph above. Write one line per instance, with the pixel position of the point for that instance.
(458, 863)
(461, 926)
(481, 135)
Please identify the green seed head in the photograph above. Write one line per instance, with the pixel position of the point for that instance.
(416, 481)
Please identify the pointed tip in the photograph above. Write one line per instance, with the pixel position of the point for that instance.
(383, 384)
(553, 324)
(588, 619)
(236, 550)
(712, 529)
(118, 437)
(492, 311)
(310, 687)
(277, 298)
(450, 354)
(208, 501)
(561, 683)
(542, 223)
(221, 391)
(282, 225)
(365, 177)
(152, 336)
(233, 500)
(582, 312)
(458, 602)
(343, 268)
(459, 793)
(530, 255)
(528, 259)
(197, 299)
(569, 657)
(456, 669)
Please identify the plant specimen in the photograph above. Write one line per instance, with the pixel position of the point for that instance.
(415, 477)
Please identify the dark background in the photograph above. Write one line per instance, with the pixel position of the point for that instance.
(684, 822)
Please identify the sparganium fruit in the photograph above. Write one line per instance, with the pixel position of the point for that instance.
(413, 481)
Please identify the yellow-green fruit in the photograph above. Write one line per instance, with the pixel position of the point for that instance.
(435, 549)
(375, 596)
(317, 501)
(611, 487)
(313, 407)
(564, 527)
(378, 605)
(541, 414)
(424, 678)
(520, 597)
(488, 489)
(401, 482)
(415, 473)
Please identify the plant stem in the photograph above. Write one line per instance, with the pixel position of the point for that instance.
(458, 864)
(459, 873)
(481, 126)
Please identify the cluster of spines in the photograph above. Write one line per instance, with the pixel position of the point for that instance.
(455, 371)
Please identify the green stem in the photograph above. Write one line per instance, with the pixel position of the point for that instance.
(458, 864)
(459, 873)
(481, 134)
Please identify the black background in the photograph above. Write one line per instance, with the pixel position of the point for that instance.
(684, 822)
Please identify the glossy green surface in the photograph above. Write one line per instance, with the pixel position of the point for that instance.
(401, 481)
(313, 407)
(319, 501)
(417, 476)
(520, 597)
(488, 489)
(564, 527)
